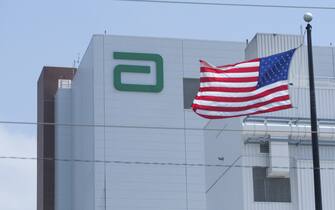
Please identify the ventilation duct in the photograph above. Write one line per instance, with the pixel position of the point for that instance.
(276, 130)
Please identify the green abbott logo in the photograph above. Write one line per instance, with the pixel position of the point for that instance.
(157, 59)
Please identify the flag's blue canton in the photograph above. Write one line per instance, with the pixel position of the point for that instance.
(274, 68)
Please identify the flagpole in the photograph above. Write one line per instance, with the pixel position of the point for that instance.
(314, 128)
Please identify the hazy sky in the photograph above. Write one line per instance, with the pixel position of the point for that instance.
(38, 33)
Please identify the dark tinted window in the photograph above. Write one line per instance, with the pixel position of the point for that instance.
(270, 189)
(191, 87)
(264, 147)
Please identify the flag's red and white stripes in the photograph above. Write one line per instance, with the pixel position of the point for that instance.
(231, 91)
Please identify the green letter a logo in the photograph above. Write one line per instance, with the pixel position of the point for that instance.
(157, 59)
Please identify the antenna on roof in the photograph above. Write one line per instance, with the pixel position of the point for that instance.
(78, 58)
(76, 61)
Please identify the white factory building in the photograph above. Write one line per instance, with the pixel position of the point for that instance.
(136, 144)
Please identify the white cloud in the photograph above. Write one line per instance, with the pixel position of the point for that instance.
(17, 177)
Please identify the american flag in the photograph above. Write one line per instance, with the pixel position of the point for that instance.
(246, 88)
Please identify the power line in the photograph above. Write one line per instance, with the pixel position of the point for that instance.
(109, 126)
(233, 165)
(223, 173)
(147, 127)
(231, 4)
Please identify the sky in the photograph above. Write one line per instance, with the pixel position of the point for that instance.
(41, 32)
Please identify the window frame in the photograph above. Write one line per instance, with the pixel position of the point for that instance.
(264, 184)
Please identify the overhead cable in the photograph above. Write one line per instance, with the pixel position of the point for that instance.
(232, 4)
(233, 165)
(144, 127)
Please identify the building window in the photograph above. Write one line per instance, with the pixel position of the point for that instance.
(64, 83)
(270, 189)
(264, 147)
(191, 87)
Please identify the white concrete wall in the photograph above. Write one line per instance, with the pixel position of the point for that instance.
(214, 52)
(150, 186)
(324, 61)
(83, 136)
(63, 150)
(305, 182)
(224, 183)
(195, 154)
(145, 186)
(217, 53)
